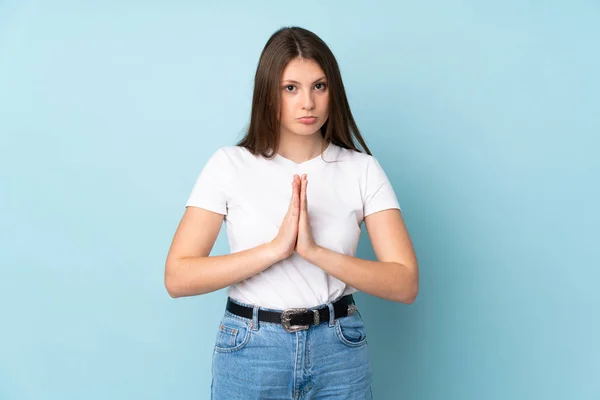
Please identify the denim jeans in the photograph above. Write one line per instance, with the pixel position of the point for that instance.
(261, 360)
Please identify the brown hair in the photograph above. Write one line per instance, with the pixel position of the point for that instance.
(283, 46)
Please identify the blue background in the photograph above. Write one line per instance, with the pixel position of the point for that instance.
(484, 114)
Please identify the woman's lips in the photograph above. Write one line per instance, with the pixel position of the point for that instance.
(307, 120)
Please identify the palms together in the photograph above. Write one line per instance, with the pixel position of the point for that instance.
(305, 242)
(294, 233)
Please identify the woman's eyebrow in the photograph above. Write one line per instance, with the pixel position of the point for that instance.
(296, 82)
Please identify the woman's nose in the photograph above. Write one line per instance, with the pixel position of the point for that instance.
(309, 103)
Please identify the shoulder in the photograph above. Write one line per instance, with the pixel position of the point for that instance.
(229, 151)
(223, 160)
(230, 154)
(357, 161)
(365, 168)
(236, 156)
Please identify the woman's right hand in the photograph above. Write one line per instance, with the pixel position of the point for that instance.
(285, 241)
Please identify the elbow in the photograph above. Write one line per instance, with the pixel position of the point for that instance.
(171, 288)
(408, 291)
(170, 280)
(406, 294)
(411, 295)
(177, 282)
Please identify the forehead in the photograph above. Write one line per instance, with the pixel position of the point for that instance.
(300, 69)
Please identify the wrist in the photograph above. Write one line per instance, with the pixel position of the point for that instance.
(273, 253)
(311, 253)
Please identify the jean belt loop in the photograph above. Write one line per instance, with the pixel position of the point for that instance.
(331, 314)
(255, 318)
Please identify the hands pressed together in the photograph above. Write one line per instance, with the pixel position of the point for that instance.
(294, 233)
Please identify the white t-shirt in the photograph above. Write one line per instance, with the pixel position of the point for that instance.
(253, 193)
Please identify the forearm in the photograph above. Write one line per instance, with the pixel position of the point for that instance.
(190, 276)
(388, 280)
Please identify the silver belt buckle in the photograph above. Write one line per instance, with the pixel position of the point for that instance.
(352, 309)
(286, 319)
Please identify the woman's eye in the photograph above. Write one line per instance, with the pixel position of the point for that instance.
(322, 86)
(290, 88)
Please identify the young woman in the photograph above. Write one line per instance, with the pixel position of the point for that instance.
(293, 194)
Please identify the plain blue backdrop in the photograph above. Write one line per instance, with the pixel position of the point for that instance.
(484, 114)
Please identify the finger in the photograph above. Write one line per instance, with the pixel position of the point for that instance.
(294, 202)
(303, 193)
(293, 189)
(297, 193)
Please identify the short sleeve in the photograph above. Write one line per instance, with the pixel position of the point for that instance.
(379, 194)
(209, 191)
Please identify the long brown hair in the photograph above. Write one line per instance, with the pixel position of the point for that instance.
(283, 46)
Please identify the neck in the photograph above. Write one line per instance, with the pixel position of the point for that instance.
(301, 148)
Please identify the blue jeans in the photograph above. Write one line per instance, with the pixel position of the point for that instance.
(261, 360)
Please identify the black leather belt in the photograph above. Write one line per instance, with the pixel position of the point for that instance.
(296, 319)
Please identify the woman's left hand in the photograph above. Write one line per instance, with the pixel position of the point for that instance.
(305, 243)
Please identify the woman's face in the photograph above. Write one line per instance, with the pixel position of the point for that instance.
(304, 93)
